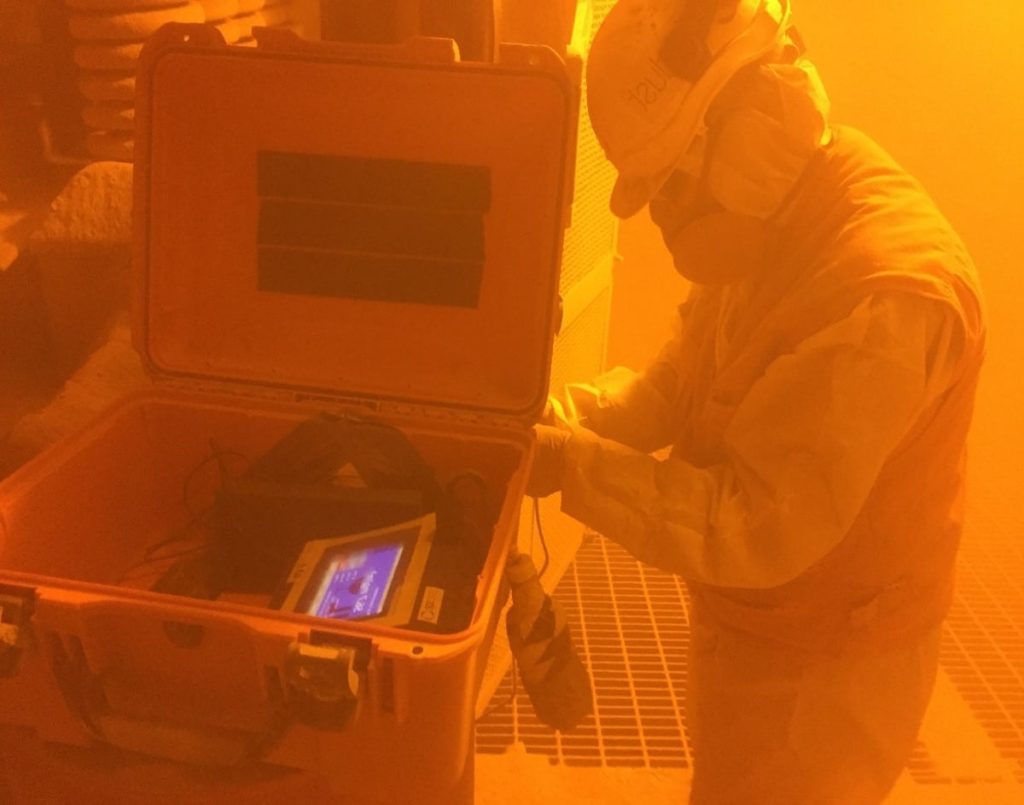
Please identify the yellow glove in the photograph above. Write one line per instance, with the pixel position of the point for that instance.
(606, 396)
(586, 404)
(620, 405)
(559, 415)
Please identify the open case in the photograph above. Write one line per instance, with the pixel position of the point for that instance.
(368, 233)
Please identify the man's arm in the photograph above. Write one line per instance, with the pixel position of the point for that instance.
(802, 451)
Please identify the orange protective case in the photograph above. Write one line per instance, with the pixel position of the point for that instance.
(253, 315)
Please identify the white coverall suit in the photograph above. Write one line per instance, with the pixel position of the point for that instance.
(817, 414)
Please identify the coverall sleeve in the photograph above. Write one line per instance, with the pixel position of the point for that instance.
(802, 451)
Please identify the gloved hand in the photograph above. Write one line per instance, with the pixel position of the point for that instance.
(620, 405)
(560, 415)
(548, 460)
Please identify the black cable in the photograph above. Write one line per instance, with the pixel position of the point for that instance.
(216, 454)
(197, 519)
(543, 541)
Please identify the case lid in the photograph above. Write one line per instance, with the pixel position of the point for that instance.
(338, 225)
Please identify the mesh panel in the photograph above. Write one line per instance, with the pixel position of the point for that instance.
(579, 350)
(592, 235)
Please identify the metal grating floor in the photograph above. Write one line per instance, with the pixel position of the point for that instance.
(633, 635)
(983, 649)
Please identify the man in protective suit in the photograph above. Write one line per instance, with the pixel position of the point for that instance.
(816, 399)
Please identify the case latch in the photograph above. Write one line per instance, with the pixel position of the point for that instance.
(16, 607)
(326, 679)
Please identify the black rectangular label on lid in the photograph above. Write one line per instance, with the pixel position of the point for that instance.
(384, 230)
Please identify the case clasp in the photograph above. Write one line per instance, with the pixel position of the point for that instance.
(326, 678)
(16, 607)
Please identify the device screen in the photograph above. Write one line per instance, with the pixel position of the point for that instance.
(357, 581)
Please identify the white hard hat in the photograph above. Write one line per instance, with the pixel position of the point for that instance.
(654, 68)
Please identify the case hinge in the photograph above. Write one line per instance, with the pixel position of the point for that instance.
(351, 406)
(460, 416)
(16, 607)
(342, 406)
(223, 388)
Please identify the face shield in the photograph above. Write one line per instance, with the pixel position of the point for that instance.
(764, 131)
(760, 134)
(716, 209)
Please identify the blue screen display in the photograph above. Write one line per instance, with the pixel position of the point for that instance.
(357, 583)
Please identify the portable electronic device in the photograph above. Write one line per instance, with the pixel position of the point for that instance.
(374, 575)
